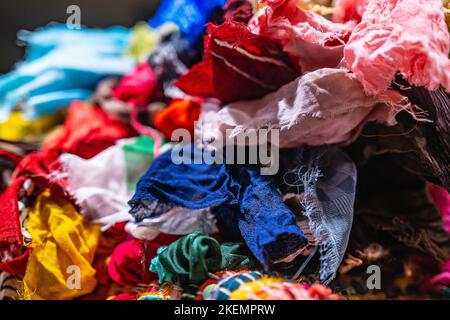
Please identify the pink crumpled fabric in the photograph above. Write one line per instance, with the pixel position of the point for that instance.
(406, 36)
(349, 10)
(442, 278)
(311, 41)
(326, 106)
(441, 199)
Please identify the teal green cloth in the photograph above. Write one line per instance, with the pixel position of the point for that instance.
(190, 259)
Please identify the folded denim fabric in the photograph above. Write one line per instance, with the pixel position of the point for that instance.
(237, 65)
(52, 78)
(311, 110)
(324, 178)
(191, 16)
(388, 40)
(311, 41)
(266, 224)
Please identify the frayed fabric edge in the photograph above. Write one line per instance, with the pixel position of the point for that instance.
(329, 256)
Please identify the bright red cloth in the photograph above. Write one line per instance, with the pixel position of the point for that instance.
(130, 262)
(137, 87)
(35, 167)
(238, 65)
(87, 131)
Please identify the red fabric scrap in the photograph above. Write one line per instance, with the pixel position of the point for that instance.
(87, 131)
(180, 114)
(130, 262)
(238, 65)
(35, 167)
(137, 87)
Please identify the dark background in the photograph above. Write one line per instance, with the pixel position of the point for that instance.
(30, 14)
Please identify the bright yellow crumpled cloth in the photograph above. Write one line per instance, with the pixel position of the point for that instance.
(18, 128)
(61, 238)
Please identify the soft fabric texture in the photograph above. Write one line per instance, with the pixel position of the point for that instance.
(419, 147)
(237, 65)
(238, 10)
(239, 190)
(32, 171)
(405, 36)
(349, 10)
(170, 60)
(190, 259)
(18, 128)
(10, 285)
(145, 39)
(191, 16)
(61, 238)
(176, 221)
(100, 190)
(51, 78)
(270, 288)
(441, 199)
(136, 87)
(129, 264)
(180, 114)
(311, 111)
(99, 131)
(228, 284)
(324, 180)
(310, 40)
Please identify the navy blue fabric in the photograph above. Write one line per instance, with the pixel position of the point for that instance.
(264, 221)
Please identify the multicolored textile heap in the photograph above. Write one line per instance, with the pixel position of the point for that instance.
(301, 145)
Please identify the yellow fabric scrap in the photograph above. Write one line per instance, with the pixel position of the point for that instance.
(249, 289)
(64, 243)
(18, 128)
(144, 39)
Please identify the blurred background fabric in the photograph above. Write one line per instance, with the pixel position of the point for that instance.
(30, 14)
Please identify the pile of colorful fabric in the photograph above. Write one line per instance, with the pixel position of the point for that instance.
(129, 171)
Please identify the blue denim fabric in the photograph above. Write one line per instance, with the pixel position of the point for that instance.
(264, 221)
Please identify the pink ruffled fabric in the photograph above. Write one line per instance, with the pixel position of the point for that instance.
(311, 41)
(406, 36)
